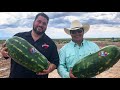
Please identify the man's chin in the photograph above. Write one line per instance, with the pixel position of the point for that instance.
(78, 40)
(39, 33)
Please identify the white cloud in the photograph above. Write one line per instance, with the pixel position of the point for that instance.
(8, 32)
(58, 18)
(11, 17)
(5, 18)
(101, 31)
(70, 18)
(102, 15)
(56, 33)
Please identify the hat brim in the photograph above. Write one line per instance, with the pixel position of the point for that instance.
(67, 31)
(85, 27)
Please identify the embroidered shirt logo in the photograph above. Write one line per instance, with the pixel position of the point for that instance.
(32, 50)
(103, 53)
(45, 46)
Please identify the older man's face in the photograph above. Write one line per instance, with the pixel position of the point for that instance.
(77, 35)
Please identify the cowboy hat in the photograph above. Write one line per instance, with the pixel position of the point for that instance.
(76, 25)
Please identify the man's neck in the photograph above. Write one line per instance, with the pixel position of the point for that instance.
(78, 42)
(35, 36)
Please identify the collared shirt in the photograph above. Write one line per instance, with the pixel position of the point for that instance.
(18, 71)
(70, 53)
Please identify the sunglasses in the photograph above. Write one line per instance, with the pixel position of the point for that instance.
(76, 31)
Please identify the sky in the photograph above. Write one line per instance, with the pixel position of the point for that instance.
(102, 24)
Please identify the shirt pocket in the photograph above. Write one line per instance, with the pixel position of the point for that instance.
(88, 53)
(70, 57)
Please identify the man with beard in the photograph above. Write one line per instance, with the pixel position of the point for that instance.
(39, 40)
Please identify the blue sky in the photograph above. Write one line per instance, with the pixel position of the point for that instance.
(102, 24)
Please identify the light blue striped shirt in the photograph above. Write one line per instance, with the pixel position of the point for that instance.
(71, 53)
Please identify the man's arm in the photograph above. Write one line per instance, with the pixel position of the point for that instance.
(53, 62)
(62, 68)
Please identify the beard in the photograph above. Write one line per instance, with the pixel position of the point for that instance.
(38, 32)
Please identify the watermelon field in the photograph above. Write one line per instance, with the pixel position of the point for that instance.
(113, 72)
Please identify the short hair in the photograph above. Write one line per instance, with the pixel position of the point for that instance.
(42, 14)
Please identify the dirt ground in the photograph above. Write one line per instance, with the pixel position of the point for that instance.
(113, 72)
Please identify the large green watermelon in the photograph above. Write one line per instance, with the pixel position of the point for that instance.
(25, 54)
(96, 63)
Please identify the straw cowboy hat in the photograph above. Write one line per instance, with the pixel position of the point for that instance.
(76, 25)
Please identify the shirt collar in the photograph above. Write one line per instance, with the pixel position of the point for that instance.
(29, 34)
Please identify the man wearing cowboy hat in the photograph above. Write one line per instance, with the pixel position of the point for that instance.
(76, 49)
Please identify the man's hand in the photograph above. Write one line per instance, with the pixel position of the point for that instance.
(71, 75)
(50, 69)
(4, 50)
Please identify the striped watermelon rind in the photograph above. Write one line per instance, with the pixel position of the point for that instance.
(22, 52)
(96, 63)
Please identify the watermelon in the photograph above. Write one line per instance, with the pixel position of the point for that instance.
(96, 63)
(22, 52)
